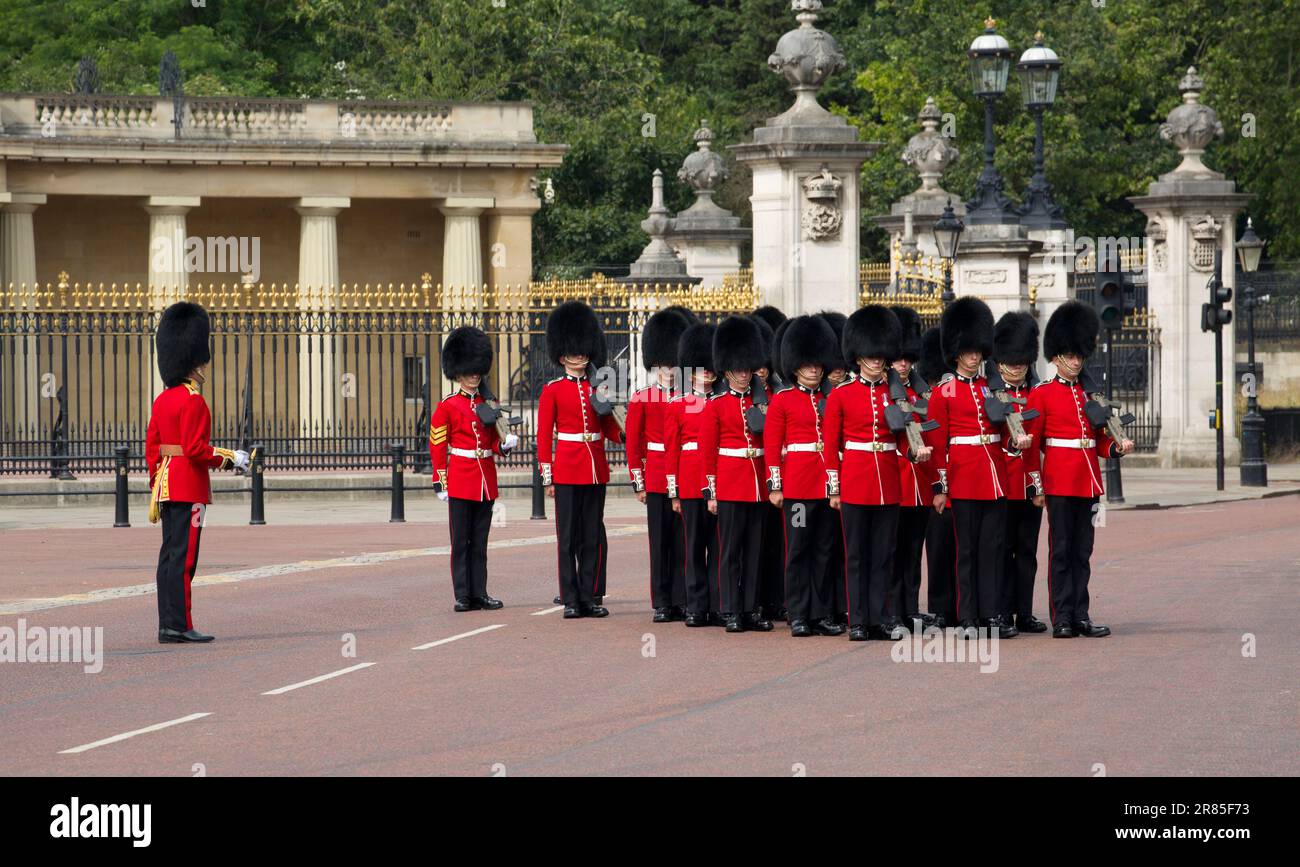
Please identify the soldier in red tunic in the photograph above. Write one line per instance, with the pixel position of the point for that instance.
(842, 370)
(179, 456)
(461, 446)
(940, 544)
(797, 479)
(731, 444)
(864, 484)
(771, 569)
(916, 480)
(575, 470)
(684, 467)
(1070, 469)
(646, 453)
(972, 467)
(1015, 349)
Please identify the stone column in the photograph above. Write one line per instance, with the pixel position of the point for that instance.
(168, 278)
(706, 236)
(993, 263)
(1191, 212)
(18, 270)
(320, 382)
(805, 165)
(462, 251)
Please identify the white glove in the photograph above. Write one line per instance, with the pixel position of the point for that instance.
(241, 459)
(511, 442)
(442, 495)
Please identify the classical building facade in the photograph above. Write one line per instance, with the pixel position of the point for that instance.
(107, 188)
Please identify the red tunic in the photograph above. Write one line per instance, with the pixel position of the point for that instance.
(967, 471)
(1022, 482)
(736, 477)
(565, 408)
(855, 413)
(456, 426)
(180, 417)
(684, 467)
(916, 480)
(793, 418)
(646, 447)
(1067, 472)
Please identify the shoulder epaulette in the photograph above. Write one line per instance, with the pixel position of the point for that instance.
(948, 377)
(191, 387)
(782, 390)
(557, 379)
(1044, 382)
(846, 382)
(718, 394)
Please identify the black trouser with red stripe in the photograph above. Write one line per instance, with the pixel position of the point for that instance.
(580, 534)
(980, 526)
(1021, 564)
(835, 571)
(182, 524)
(772, 566)
(469, 522)
(870, 534)
(740, 541)
(906, 596)
(941, 566)
(701, 531)
(1070, 534)
(809, 532)
(667, 546)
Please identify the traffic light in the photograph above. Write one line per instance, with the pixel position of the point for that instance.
(1213, 315)
(1109, 299)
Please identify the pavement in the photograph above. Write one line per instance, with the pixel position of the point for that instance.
(338, 654)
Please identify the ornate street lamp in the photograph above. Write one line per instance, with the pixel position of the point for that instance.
(1040, 71)
(1254, 471)
(990, 63)
(947, 237)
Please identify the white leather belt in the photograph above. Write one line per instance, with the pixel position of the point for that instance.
(856, 446)
(804, 447)
(654, 447)
(981, 440)
(1071, 444)
(690, 447)
(471, 453)
(741, 453)
(590, 437)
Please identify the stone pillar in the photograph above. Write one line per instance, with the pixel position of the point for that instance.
(805, 164)
(706, 236)
(510, 245)
(168, 278)
(1191, 212)
(1049, 271)
(18, 270)
(462, 250)
(320, 382)
(993, 263)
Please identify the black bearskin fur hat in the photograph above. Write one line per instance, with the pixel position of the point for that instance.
(872, 332)
(467, 350)
(738, 345)
(1072, 328)
(911, 322)
(182, 341)
(1015, 339)
(807, 340)
(966, 326)
(573, 329)
(659, 340)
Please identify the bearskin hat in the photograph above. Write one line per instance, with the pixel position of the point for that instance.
(931, 367)
(573, 329)
(770, 349)
(872, 332)
(966, 326)
(807, 340)
(738, 345)
(695, 349)
(836, 321)
(1072, 328)
(685, 311)
(182, 341)
(659, 339)
(911, 322)
(466, 351)
(771, 315)
(777, 336)
(1015, 339)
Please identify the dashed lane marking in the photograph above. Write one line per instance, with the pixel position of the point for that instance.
(440, 641)
(144, 731)
(333, 674)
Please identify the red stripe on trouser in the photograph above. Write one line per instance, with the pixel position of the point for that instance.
(600, 559)
(191, 561)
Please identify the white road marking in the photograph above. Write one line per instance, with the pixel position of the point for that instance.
(282, 690)
(24, 606)
(153, 728)
(546, 611)
(478, 631)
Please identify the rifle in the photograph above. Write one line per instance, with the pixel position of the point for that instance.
(899, 414)
(492, 414)
(244, 431)
(1001, 407)
(602, 405)
(1102, 413)
(756, 415)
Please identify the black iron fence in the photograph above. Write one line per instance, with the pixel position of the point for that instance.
(320, 385)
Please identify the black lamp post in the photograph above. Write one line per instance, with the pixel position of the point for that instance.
(1040, 71)
(947, 237)
(1254, 471)
(990, 63)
